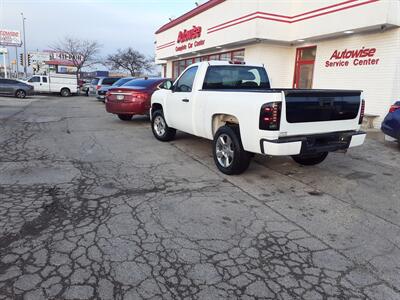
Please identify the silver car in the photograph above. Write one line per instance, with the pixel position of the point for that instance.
(11, 87)
(101, 93)
(98, 82)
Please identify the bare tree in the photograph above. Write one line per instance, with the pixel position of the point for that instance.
(82, 53)
(130, 60)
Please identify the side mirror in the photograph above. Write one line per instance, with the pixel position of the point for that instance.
(167, 85)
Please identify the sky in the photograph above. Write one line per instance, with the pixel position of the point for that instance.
(114, 24)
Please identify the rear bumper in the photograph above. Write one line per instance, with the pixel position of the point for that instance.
(131, 108)
(389, 131)
(311, 144)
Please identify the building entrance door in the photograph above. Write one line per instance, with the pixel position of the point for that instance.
(304, 68)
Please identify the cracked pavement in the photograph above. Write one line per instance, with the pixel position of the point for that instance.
(95, 208)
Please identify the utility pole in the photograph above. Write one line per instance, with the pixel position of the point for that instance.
(4, 64)
(25, 54)
(4, 51)
(16, 61)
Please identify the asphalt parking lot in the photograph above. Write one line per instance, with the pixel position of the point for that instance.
(94, 207)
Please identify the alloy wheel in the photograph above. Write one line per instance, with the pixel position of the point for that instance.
(159, 126)
(224, 150)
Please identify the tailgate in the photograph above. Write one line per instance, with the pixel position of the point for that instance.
(320, 111)
(321, 106)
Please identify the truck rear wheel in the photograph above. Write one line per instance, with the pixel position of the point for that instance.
(310, 159)
(160, 128)
(65, 92)
(228, 152)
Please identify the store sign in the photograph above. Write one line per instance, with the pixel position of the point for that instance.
(358, 57)
(187, 36)
(64, 56)
(39, 56)
(10, 37)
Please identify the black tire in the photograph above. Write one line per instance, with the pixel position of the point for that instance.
(65, 92)
(125, 117)
(233, 159)
(161, 130)
(310, 159)
(20, 94)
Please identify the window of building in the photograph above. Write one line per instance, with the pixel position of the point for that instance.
(304, 69)
(180, 65)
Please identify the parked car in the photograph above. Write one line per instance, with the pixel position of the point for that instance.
(391, 123)
(98, 82)
(234, 105)
(63, 84)
(85, 88)
(133, 98)
(101, 93)
(18, 89)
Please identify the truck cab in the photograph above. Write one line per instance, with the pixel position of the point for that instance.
(40, 83)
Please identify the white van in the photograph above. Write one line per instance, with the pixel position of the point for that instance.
(64, 84)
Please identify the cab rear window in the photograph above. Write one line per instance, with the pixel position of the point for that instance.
(236, 78)
(109, 81)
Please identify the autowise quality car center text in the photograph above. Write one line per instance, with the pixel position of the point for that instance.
(303, 44)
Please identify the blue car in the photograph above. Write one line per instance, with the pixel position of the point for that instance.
(391, 124)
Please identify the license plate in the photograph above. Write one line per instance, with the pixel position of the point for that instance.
(120, 97)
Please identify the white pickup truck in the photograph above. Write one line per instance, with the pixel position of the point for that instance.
(63, 84)
(234, 105)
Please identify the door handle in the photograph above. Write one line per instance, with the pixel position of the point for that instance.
(185, 100)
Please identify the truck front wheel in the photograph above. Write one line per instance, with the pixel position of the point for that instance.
(229, 155)
(310, 159)
(65, 92)
(160, 128)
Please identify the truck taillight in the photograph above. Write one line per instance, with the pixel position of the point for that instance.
(362, 111)
(270, 116)
(393, 108)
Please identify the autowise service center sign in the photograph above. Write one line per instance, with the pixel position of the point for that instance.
(186, 39)
(10, 37)
(357, 57)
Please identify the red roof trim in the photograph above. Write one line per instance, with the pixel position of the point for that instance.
(60, 63)
(194, 12)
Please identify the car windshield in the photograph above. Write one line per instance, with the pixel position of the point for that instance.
(122, 81)
(142, 83)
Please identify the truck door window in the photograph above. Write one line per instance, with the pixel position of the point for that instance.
(44, 79)
(185, 82)
(34, 79)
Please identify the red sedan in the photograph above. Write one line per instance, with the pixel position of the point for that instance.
(132, 98)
